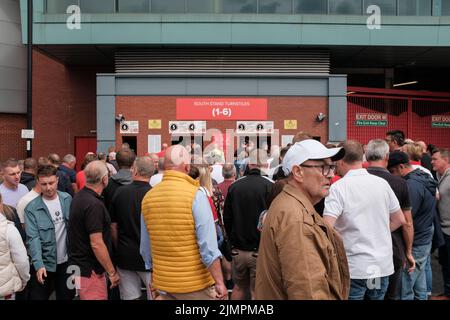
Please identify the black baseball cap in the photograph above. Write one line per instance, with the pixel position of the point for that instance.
(396, 158)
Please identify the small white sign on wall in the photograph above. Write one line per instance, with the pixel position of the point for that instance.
(154, 143)
(286, 139)
(129, 127)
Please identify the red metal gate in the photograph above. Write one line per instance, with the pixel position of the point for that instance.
(421, 115)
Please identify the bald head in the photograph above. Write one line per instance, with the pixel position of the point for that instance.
(177, 158)
(54, 159)
(95, 173)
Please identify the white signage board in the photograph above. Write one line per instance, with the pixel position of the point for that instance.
(27, 134)
(129, 127)
(154, 143)
(243, 127)
(187, 127)
(286, 139)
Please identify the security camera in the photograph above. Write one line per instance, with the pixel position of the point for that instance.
(120, 118)
(320, 117)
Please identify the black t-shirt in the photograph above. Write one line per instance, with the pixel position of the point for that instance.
(400, 188)
(88, 215)
(125, 210)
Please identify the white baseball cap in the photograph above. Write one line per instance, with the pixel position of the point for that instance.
(309, 150)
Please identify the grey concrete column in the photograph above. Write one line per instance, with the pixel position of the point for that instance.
(106, 112)
(337, 109)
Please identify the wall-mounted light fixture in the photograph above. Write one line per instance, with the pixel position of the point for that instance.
(320, 117)
(120, 118)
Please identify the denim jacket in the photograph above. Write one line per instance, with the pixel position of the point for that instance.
(41, 238)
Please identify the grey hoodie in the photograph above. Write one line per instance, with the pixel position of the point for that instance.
(123, 177)
(444, 202)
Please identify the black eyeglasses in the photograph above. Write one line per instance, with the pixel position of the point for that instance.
(326, 168)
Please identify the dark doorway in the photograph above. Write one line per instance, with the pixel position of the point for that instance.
(132, 141)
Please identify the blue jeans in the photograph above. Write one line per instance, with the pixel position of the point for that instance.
(368, 289)
(414, 284)
(444, 260)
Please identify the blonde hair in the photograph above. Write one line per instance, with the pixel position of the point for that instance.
(414, 151)
(205, 178)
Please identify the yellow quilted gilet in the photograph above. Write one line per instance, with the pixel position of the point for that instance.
(167, 211)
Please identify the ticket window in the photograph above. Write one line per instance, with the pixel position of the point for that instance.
(194, 141)
(131, 141)
(248, 142)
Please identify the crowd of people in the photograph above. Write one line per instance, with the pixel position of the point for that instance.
(307, 221)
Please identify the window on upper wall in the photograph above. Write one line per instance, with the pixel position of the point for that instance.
(414, 7)
(239, 6)
(200, 6)
(272, 6)
(133, 6)
(59, 6)
(387, 7)
(168, 6)
(346, 7)
(445, 10)
(311, 6)
(97, 6)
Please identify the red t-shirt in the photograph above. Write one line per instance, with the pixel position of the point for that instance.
(81, 179)
(334, 179)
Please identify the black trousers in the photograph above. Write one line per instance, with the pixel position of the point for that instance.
(55, 281)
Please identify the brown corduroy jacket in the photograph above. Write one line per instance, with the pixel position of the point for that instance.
(300, 257)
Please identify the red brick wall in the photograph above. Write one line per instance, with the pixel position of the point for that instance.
(141, 109)
(64, 104)
(11, 143)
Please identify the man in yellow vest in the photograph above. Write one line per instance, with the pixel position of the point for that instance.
(186, 259)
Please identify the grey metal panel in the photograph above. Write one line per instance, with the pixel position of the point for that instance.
(13, 61)
(102, 146)
(13, 101)
(10, 33)
(10, 11)
(226, 87)
(106, 109)
(12, 78)
(150, 87)
(106, 85)
(293, 87)
(13, 56)
(337, 119)
(338, 85)
(142, 86)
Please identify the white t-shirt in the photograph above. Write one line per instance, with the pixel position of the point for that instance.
(23, 202)
(55, 210)
(416, 166)
(362, 203)
(12, 197)
(155, 179)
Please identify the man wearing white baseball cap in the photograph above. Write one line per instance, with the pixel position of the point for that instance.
(364, 210)
(300, 257)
